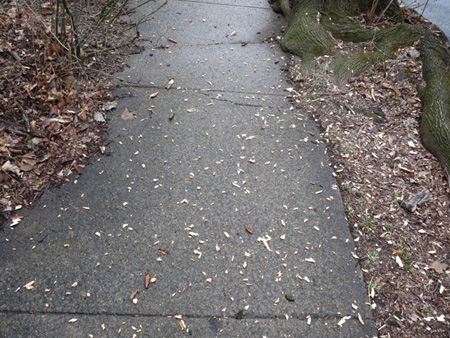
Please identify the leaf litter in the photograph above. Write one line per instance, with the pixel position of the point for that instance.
(52, 112)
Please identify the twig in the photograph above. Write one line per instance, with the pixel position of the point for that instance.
(113, 48)
(140, 5)
(24, 115)
(384, 11)
(424, 8)
(15, 56)
(74, 29)
(62, 45)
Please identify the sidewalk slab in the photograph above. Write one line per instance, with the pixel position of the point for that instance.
(228, 192)
(51, 325)
(218, 67)
(204, 23)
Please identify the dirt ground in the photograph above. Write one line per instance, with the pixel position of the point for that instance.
(395, 193)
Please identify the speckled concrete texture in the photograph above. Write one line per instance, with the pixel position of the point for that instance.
(217, 188)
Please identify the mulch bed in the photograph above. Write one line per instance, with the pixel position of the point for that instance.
(395, 193)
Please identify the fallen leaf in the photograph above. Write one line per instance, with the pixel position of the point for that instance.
(399, 252)
(77, 169)
(134, 294)
(163, 251)
(99, 117)
(439, 267)
(147, 280)
(109, 105)
(250, 231)
(29, 286)
(399, 261)
(343, 319)
(360, 319)
(8, 166)
(128, 115)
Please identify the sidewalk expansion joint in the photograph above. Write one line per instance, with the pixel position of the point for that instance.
(229, 5)
(182, 45)
(301, 317)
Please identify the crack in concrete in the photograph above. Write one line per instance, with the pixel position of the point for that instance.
(202, 91)
(237, 103)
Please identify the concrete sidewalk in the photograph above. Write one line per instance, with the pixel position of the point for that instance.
(220, 151)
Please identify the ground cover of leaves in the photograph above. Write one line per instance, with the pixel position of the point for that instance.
(371, 128)
(52, 107)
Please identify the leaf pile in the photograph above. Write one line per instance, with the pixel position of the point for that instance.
(371, 128)
(50, 105)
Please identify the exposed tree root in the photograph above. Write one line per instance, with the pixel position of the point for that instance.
(308, 36)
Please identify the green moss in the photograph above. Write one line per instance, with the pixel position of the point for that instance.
(435, 122)
(306, 37)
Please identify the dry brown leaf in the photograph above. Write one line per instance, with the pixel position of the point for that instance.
(134, 294)
(399, 252)
(439, 267)
(77, 169)
(147, 280)
(250, 231)
(128, 115)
